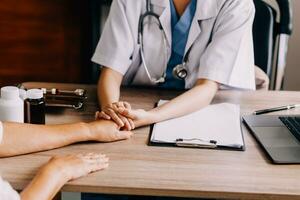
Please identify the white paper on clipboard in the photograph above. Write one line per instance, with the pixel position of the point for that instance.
(219, 122)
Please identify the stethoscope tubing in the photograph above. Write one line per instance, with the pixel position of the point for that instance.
(180, 71)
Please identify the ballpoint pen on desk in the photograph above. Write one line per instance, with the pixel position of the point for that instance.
(265, 111)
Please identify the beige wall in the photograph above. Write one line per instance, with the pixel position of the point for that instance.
(292, 79)
(293, 61)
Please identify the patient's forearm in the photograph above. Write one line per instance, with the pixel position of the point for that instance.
(28, 138)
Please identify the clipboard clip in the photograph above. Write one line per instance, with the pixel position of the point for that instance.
(196, 143)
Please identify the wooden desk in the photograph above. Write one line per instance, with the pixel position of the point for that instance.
(138, 169)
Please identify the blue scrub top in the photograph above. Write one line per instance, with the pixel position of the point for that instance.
(180, 32)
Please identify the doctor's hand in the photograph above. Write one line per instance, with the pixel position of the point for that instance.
(140, 117)
(110, 112)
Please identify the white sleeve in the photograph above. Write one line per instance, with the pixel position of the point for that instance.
(7, 192)
(116, 44)
(1, 131)
(229, 58)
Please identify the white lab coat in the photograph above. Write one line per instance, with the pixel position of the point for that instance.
(220, 37)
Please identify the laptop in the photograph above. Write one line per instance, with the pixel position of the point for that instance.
(278, 135)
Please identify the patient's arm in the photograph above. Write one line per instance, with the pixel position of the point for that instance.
(60, 170)
(28, 138)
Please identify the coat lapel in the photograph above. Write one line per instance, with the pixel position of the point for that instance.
(165, 17)
(205, 9)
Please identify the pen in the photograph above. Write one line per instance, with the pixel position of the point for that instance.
(265, 111)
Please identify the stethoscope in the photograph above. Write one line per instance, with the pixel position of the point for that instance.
(180, 71)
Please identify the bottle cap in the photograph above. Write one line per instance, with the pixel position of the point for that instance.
(35, 94)
(10, 92)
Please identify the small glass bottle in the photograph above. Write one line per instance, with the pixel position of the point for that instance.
(35, 107)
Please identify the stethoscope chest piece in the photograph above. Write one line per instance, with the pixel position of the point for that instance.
(180, 71)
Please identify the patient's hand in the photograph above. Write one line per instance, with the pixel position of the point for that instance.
(107, 131)
(109, 112)
(59, 170)
(76, 166)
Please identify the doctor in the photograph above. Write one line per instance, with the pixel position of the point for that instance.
(198, 45)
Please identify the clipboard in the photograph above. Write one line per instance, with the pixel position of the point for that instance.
(229, 137)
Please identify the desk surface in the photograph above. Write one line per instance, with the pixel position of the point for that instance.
(138, 169)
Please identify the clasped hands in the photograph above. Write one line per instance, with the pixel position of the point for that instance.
(124, 116)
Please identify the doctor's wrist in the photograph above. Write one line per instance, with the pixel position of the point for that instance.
(143, 118)
(153, 117)
(158, 115)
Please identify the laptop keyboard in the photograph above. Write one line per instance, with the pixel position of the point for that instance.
(293, 124)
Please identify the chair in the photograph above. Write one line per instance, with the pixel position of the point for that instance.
(271, 39)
